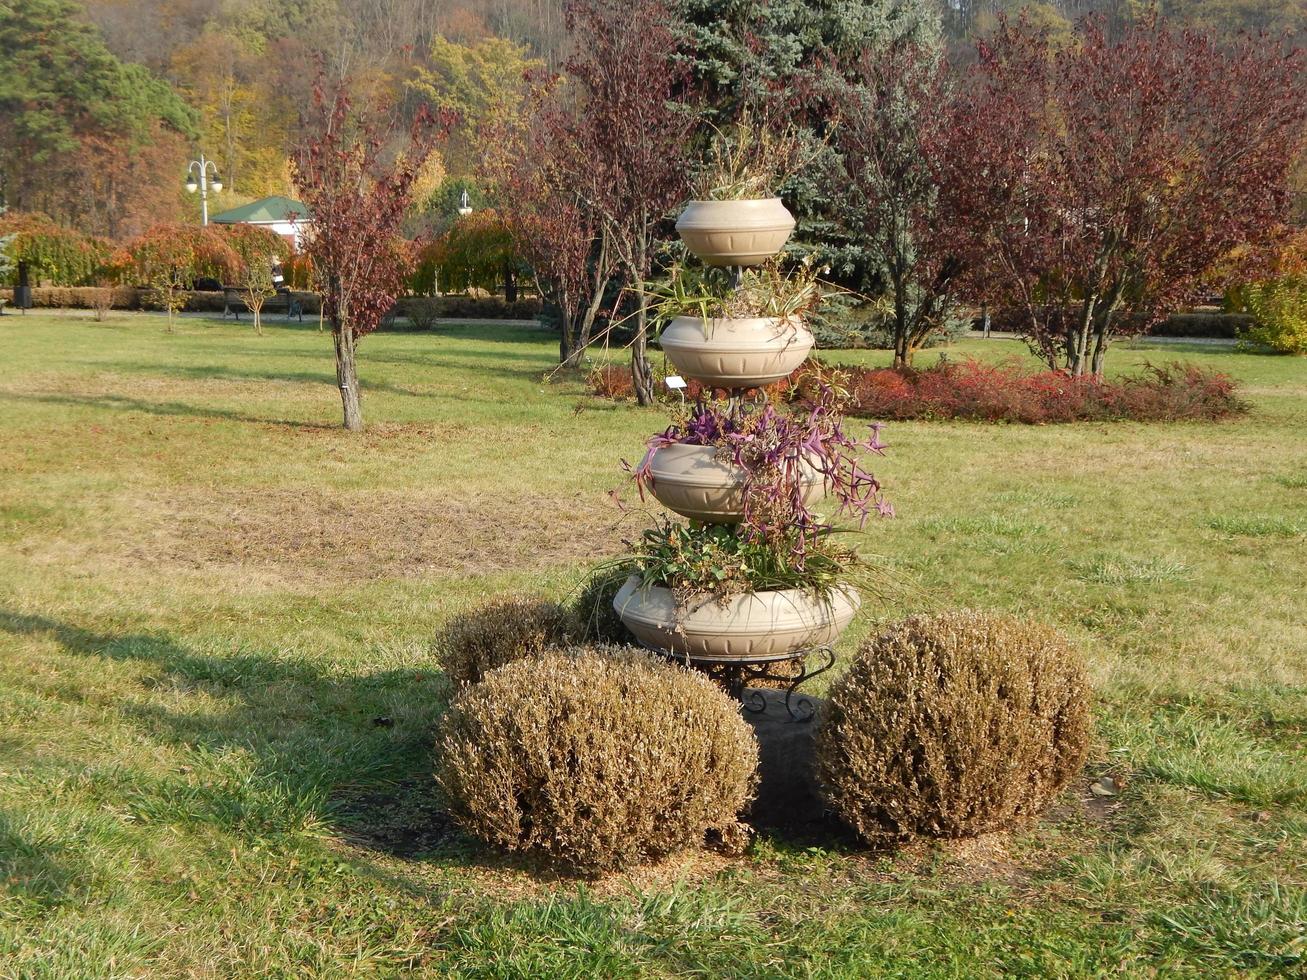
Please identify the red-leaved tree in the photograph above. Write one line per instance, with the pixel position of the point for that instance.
(891, 112)
(635, 134)
(543, 182)
(168, 258)
(357, 186)
(1109, 179)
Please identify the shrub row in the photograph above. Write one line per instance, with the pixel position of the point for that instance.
(1006, 392)
(1003, 392)
(206, 301)
(592, 758)
(467, 308)
(137, 298)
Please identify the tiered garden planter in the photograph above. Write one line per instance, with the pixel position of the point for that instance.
(744, 638)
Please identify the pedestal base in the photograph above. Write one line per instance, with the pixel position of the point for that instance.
(736, 676)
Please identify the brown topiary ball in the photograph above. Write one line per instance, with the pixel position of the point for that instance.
(500, 632)
(953, 725)
(594, 760)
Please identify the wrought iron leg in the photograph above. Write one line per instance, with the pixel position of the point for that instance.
(806, 709)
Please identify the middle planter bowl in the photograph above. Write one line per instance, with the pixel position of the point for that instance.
(754, 626)
(744, 352)
(696, 483)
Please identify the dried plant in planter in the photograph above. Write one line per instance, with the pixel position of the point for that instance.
(953, 725)
(773, 289)
(750, 159)
(594, 760)
(500, 632)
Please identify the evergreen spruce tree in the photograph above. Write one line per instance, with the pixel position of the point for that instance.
(773, 58)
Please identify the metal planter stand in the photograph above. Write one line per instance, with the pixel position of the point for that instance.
(736, 675)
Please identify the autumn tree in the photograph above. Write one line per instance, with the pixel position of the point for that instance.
(168, 258)
(485, 81)
(543, 182)
(1111, 178)
(635, 136)
(357, 188)
(89, 140)
(891, 111)
(42, 249)
(259, 249)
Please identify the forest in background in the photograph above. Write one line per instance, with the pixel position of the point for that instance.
(102, 103)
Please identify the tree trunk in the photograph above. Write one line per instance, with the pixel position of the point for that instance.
(902, 330)
(1102, 328)
(1077, 354)
(641, 371)
(510, 284)
(598, 279)
(258, 320)
(347, 378)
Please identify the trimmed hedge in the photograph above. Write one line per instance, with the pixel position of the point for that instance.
(137, 298)
(593, 760)
(953, 725)
(206, 301)
(501, 631)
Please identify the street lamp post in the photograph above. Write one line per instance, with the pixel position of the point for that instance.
(198, 179)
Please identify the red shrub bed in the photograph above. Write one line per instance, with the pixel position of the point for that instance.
(988, 392)
(1005, 392)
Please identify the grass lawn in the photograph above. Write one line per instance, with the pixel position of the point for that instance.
(209, 592)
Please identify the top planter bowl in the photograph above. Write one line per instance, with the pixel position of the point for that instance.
(735, 232)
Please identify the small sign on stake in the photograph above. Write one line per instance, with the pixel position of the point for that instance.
(676, 383)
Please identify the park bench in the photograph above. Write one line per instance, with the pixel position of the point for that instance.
(233, 303)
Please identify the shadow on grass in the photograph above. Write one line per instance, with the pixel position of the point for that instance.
(216, 372)
(166, 409)
(292, 746)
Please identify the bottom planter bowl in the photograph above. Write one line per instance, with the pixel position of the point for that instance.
(756, 626)
(695, 483)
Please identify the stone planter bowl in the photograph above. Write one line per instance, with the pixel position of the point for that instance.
(694, 483)
(756, 626)
(735, 232)
(744, 352)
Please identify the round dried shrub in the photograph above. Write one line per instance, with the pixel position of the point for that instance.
(953, 725)
(500, 632)
(593, 760)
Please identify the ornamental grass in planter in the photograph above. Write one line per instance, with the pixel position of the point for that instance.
(595, 760)
(953, 725)
(736, 219)
(736, 331)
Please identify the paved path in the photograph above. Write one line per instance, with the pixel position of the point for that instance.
(1137, 342)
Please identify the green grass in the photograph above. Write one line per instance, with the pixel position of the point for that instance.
(208, 593)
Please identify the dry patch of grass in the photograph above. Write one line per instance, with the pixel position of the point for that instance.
(358, 535)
